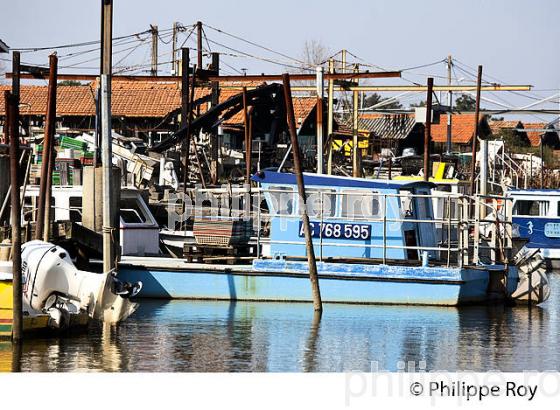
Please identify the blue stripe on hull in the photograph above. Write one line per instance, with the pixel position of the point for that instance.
(190, 284)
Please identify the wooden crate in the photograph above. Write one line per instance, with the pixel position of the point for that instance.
(222, 231)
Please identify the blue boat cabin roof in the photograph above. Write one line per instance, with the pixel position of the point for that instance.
(281, 178)
(533, 192)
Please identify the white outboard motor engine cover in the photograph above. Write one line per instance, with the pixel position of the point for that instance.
(49, 274)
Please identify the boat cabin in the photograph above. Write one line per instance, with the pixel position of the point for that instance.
(536, 214)
(350, 218)
(139, 231)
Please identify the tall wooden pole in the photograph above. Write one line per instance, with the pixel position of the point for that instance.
(356, 172)
(214, 100)
(12, 129)
(450, 104)
(48, 148)
(185, 111)
(330, 117)
(316, 293)
(320, 139)
(428, 130)
(542, 161)
(248, 138)
(475, 136)
(199, 44)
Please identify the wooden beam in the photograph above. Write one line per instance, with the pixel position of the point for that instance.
(223, 78)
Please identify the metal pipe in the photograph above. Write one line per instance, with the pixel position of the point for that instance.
(428, 130)
(12, 125)
(315, 290)
(48, 143)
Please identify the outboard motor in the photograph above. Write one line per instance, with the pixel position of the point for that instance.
(52, 284)
(533, 287)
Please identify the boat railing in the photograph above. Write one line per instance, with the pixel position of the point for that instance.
(485, 237)
(471, 230)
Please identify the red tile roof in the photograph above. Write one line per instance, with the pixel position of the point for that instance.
(462, 128)
(133, 99)
(497, 126)
(534, 136)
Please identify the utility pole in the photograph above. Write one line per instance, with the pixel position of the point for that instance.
(313, 277)
(214, 100)
(109, 242)
(449, 103)
(320, 141)
(174, 50)
(475, 136)
(154, 70)
(199, 44)
(428, 130)
(330, 116)
(343, 68)
(43, 207)
(356, 171)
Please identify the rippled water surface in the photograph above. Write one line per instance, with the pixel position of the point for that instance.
(190, 336)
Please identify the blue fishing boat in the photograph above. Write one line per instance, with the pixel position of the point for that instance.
(536, 216)
(376, 242)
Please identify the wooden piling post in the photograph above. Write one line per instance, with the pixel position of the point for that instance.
(428, 130)
(330, 117)
(315, 290)
(12, 129)
(215, 139)
(320, 138)
(48, 148)
(248, 138)
(185, 111)
(475, 136)
(199, 44)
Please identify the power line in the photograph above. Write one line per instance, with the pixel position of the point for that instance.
(255, 44)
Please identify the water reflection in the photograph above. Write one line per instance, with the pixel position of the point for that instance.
(248, 337)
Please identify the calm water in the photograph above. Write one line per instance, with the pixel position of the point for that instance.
(245, 337)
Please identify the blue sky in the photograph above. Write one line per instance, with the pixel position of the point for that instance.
(516, 41)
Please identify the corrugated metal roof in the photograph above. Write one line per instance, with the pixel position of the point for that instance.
(390, 126)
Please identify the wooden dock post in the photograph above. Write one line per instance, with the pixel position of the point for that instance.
(12, 127)
(316, 292)
(428, 130)
(475, 136)
(43, 216)
(248, 138)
